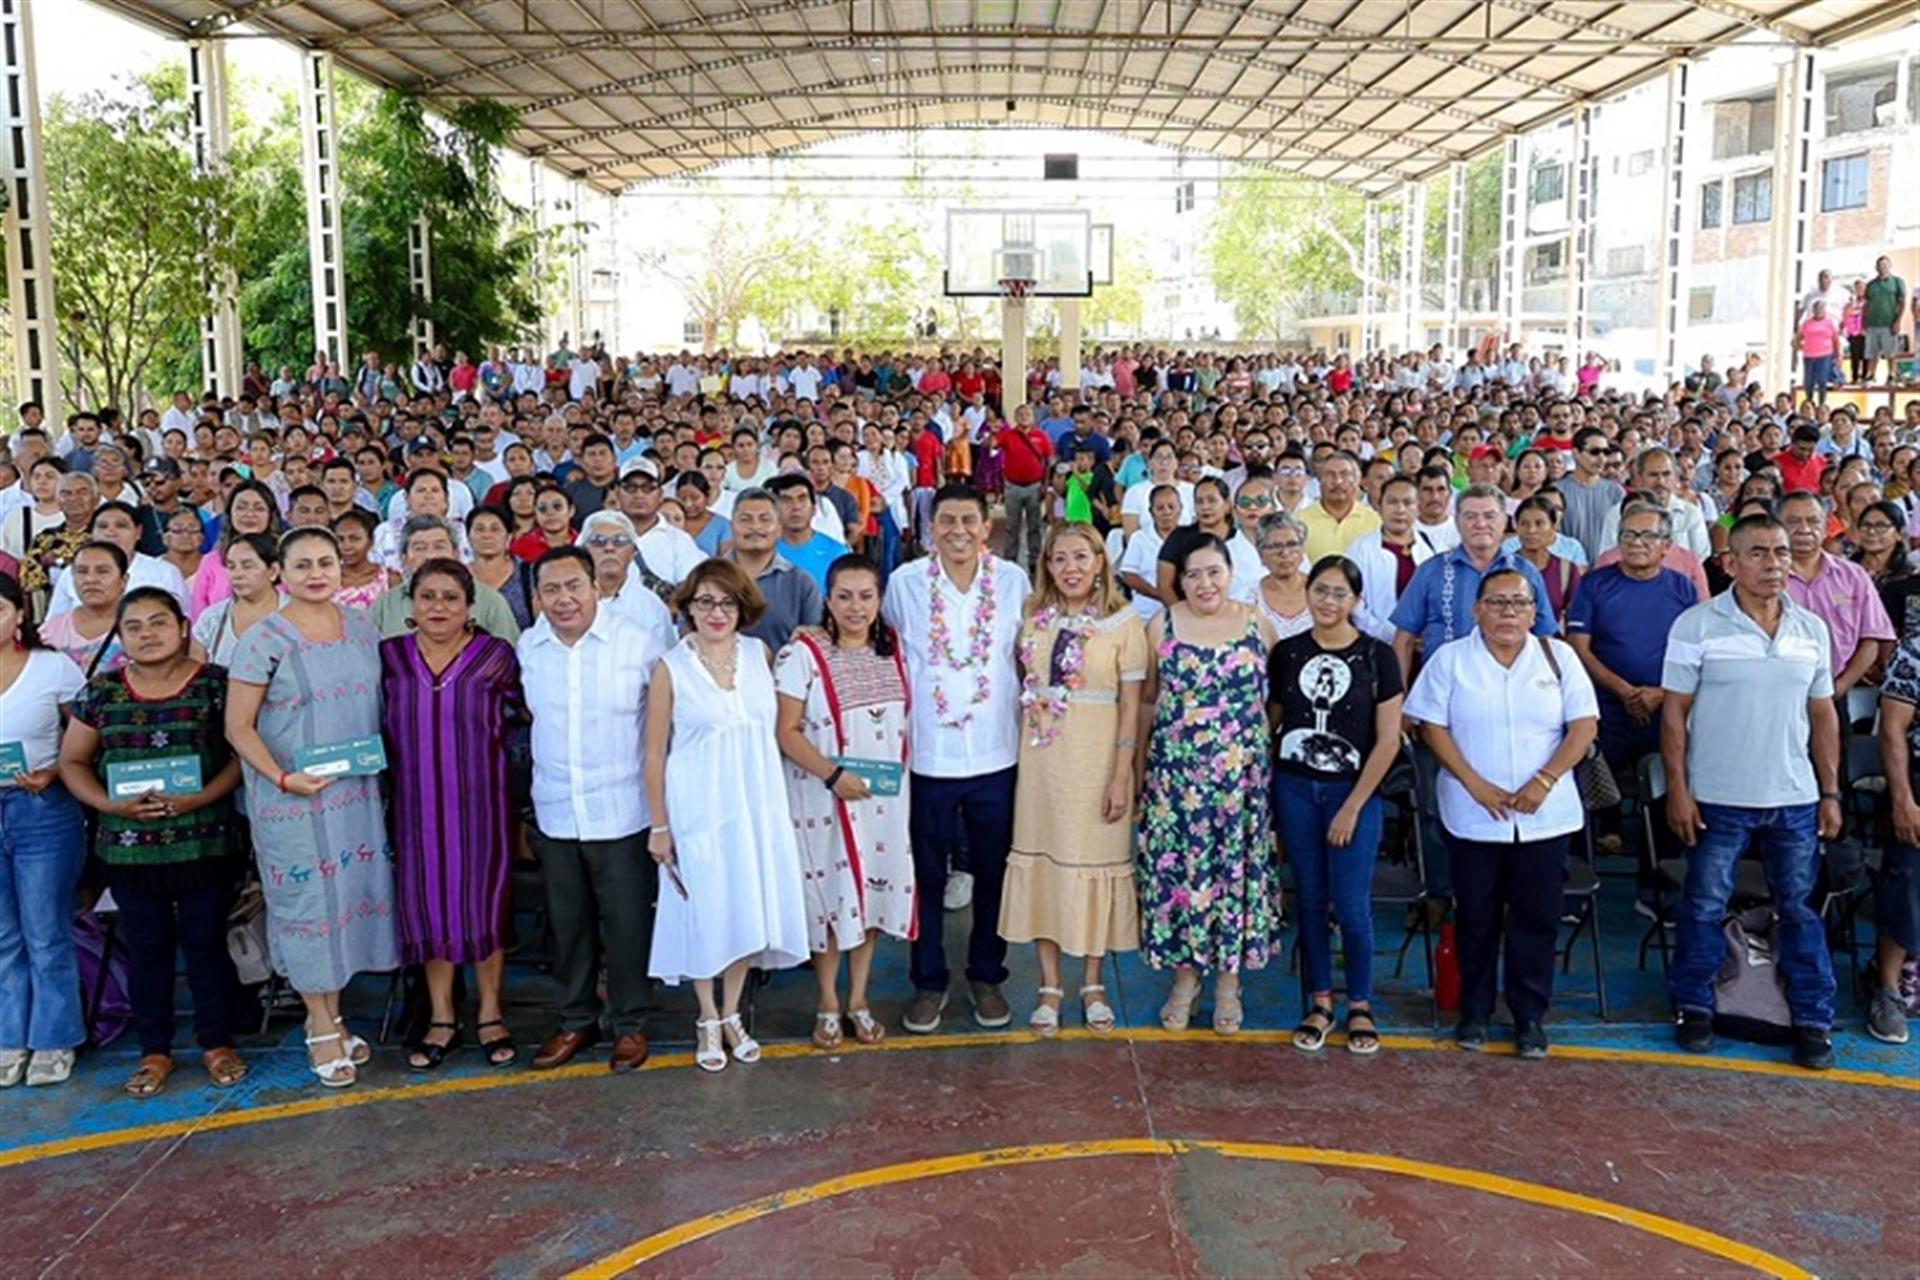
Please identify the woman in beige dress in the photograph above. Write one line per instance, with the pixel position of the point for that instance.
(1069, 888)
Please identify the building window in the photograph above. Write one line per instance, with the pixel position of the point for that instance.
(1627, 260)
(1183, 197)
(1546, 262)
(1843, 183)
(692, 332)
(1549, 184)
(1711, 195)
(1640, 162)
(1861, 99)
(1699, 305)
(1752, 198)
(1742, 126)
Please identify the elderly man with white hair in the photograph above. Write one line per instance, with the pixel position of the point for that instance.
(627, 586)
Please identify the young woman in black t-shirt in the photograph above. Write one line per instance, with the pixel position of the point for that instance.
(1335, 705)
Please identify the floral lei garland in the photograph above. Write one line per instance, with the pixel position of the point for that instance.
(979, 646)
(1044, 701)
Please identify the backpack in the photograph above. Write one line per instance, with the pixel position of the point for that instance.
(1749, 995)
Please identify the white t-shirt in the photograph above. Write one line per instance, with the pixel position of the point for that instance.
(1142, 559)
(30, 706)
(1137, 502)
(805, 382)
(682, 380)
(144, 571)
(582, 376)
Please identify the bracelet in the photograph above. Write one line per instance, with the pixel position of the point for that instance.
(833, 778)
(1126, 744)
(1543, 776)
(1834, 796)
(283, 779)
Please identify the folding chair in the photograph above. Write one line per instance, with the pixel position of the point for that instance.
(1402, 882)
(1583, 884)
(1669, 875)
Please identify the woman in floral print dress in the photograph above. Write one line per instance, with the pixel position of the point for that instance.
(1207, 890)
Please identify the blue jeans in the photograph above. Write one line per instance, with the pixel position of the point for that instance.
(43, 846)
(1822, 372)
(1790, 852)
(1303, 809)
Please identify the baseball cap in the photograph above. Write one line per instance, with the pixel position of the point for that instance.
(162, 467)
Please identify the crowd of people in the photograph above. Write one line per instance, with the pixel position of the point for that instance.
(762, 661)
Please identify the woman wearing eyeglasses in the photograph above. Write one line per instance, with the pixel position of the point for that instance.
(730, 894)
(1335, 706)
(1507, 715)
(552, 524)
(1282, 597)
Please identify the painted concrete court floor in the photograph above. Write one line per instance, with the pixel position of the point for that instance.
(1142, 1153)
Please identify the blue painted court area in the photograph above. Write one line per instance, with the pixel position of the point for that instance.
(92, 1103)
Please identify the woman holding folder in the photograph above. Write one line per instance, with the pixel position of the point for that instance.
(843, 729)
(303, 714)
(144, 750)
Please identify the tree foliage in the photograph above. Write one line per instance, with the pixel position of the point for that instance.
(133, 231)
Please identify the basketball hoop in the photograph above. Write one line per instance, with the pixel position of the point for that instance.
(1016, 288)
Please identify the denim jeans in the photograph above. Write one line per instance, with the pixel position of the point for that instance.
(1822, 372)
(946, 810)
(43, 846)
(1025, 528)
(1789, 850)
(1303, 809)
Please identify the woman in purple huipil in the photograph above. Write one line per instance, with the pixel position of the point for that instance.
(451, 696)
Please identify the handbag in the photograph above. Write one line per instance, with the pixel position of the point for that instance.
(1599, 789)
(247, 937)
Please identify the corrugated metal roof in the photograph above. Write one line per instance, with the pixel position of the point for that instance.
(1367, 93)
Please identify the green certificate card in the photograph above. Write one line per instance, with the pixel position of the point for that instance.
(883, 776)
(13, 759)
(357, 759)
(169, 776)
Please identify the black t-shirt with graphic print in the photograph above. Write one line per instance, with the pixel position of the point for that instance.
(1327, 702)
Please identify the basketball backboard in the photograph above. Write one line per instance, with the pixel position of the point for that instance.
(1052, 247)
(1100, 253)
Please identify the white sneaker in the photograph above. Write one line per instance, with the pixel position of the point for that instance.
(49, 1066)
(959, 894)
(13, 1067)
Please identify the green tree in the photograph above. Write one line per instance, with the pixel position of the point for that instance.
(1280, 248)
(396, 163)
(1121, 305)
(134, 229)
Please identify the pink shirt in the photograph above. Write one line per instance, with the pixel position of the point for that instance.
(1818, 337)
(1842, 594)
(1678, 559)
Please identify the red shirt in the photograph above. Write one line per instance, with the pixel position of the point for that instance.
(927, 452)
(1024, 455)
(1797, 476)
(968, 385)
(935, 382)
(1339, 381)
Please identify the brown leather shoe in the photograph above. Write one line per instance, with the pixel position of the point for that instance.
(560, 1048)
(629, 1052)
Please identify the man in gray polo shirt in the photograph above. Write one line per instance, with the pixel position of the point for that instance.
(793, 597)
(1590, 496)
(1749, 695)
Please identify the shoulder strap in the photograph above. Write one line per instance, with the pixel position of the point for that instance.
(1546, 651)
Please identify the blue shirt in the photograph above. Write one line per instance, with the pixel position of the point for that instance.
(1628, 620)
(718, 530)
(1437, 605)
(814, 556)
(1067, 441)
(1568, 549)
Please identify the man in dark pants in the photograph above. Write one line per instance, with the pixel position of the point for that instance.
(958, 617)
(585, 671)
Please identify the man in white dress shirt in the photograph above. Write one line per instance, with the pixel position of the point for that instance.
(662, 550)
(964, 741)
(585, 671)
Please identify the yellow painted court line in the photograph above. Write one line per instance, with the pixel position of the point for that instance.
(1004, 1157)
(362, 1097)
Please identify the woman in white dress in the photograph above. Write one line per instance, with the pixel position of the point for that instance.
(731, 898)
(843, 695)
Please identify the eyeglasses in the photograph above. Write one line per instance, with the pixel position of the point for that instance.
(1290, 471)
(1875, 526)
(642, 484)
(549, 508)
(1593, 453)
(1629, 536)
(1278, 547)
(1508, 604)
(1251, 501)
(1331, 595)
(609, 541)
(714, 604)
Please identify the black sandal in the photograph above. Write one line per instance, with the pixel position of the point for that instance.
(426, 1056)
(498, 1045)
(1309, 1036)
(1362, 1039)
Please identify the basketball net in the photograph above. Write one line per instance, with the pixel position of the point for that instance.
(1015, 288)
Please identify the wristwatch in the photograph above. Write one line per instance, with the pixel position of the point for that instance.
(1834, 796)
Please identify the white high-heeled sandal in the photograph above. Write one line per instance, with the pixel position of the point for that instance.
(746, 1048)
(1098, 1013)
(334, 1073)
(1045, 1021)
(711, 1055)
(359, 1052)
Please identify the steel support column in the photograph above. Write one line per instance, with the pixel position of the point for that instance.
(1369, 278)
(1579, 231)
(420, 283)
(1670, 308)
(576, 267)
(36, 363)
(326, 234)
(1793, 135)
(1413, 240)
(1456, 253)
(1512, 240)
(209, 133)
